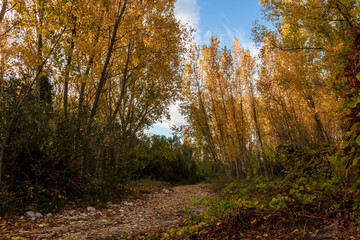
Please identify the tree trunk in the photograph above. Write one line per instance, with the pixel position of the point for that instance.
(267, 166)
(103, 77)
(13, 119)
(3, 10)
(67, 70)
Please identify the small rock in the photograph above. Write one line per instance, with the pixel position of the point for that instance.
(22, 217)
(30, 214)
(72, 212)
(38, 215)
(49, 215)
(104, 221)
(33, 218)
(164, 190)
(91, 209)
(42, 225)
(127, 203)
(327, 232)
(83, 214)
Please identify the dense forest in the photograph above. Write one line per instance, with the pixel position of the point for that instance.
(82, 81)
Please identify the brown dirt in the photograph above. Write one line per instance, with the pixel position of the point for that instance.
(158, 211)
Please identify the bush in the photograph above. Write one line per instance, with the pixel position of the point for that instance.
(169, 160)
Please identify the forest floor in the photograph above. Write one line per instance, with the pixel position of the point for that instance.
(156, 212)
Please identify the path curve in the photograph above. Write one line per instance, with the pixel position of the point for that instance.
(161, 210)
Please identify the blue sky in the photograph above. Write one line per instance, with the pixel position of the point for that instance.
(228, 19)
(225, 18)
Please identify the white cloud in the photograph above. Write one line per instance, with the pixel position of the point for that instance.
(176, 118)
(239, 34)
(187, 11)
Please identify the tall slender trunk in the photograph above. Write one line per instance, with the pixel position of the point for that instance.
(207, 131)
(37, 81)
(67, 69)
(103, 77)
(2, 81)
(3, 10)
(14, 117)
(267, 166)
(240, 132)
(84, 169)
(119, 101)
(122, 89)
(319, 126)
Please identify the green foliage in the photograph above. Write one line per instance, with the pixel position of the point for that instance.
(42, 164)
(169, 160)
(295, 160)
(305, 176)
(215, 209)
(30, 197)
(346, 161)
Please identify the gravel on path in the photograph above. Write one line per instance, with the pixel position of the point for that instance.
(159, 211)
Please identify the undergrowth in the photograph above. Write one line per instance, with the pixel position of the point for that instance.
(44, 199)
(305, 196)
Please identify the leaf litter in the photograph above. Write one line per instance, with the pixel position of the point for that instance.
(159, 211)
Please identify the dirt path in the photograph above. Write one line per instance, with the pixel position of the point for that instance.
(159, 211)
